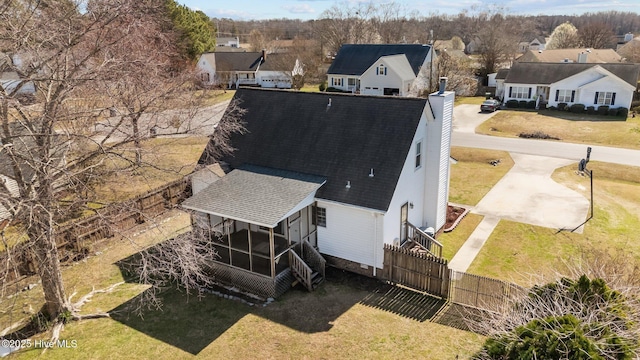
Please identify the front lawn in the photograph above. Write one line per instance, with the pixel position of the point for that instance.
(568, 127)
(522, 253)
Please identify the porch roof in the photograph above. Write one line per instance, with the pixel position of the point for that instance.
(257, 195)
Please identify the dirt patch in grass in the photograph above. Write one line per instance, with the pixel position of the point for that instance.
(579, 129)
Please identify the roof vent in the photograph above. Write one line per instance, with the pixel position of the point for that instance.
(371, 173)
(348, 184)
(329, 104)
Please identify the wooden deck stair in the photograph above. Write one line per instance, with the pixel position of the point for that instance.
(307, 269)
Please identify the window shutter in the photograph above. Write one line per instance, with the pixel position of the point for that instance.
(573, 95)
(595, 100)
(557, 94)
(377, 70)
(613, 99)
(529, 96)
(510, 89)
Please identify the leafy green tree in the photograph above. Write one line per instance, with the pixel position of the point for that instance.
(197, 32)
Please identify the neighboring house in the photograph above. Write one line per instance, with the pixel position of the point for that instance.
(572, 83)
(339, 173)
(571, 55)
(384, 69)
(10, 81)
(233, 69)
(232, 42)
(499, 80)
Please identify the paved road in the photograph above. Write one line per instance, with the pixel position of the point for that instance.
(467, 117)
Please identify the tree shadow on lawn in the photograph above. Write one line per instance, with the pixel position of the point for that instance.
(191, 324)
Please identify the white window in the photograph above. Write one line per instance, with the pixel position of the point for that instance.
(565, 96)
(418, 154)
(605, 98)
(352, 82)
(519, 92)
(381, 70)
(336, 81)
(319, 216)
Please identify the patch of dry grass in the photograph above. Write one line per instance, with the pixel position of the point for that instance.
(472, 100)
(452, 241)
(598, 130)
(473, 176)
(166, 160)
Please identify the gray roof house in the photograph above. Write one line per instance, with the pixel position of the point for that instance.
(320, 177)
(381, 69)
(233, 69)
(611, 84)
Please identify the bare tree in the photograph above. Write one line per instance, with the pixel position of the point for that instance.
(593, 309)
(344, 24)
(71, 55)
(596, 35)
(257, 40)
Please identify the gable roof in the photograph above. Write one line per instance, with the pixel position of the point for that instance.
(246, 61)
(355, 59)
(559, 55)
(548, 73)
(400, 64)
(502, 74)
(299, 132)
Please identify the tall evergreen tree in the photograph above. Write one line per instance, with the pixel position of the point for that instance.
(197, 32)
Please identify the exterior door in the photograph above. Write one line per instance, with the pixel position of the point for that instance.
(294, 231)
(404, 216)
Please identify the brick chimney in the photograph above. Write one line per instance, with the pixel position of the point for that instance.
(264, 54)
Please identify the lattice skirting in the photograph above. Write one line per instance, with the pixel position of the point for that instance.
(256, 284)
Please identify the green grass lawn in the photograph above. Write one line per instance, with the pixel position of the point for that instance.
(515, 251)
(343, 319)
(472, 177)
(452, 241)
(598, 130)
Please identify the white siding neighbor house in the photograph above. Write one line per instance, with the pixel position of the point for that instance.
(589, 84)
(332, 177)
(233, 69)
(386, 69)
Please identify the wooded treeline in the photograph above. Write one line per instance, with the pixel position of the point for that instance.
(416, 28)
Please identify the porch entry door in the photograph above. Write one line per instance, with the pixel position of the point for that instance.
(404, 216)
(294, 231)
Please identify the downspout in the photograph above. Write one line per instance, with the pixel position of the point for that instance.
(375, 243)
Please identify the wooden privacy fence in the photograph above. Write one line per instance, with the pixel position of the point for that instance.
(482, 292)
(430, 274)
(422, 272)
(73, 237)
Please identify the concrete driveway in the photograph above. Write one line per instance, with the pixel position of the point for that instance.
(527, 194)
(467, 117)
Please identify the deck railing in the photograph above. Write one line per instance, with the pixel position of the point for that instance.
(301, 270)
(425, 240)
(313, 257)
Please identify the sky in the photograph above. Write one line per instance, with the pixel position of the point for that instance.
(311, 9)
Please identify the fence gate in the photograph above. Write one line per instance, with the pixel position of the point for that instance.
(482, 292)
(422, 272)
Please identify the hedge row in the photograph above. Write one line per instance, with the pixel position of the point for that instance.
(591, 110)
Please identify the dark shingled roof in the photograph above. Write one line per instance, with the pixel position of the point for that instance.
(355, 59)
(249, 61)
(502, 74)
(299, 132)
(548, 73)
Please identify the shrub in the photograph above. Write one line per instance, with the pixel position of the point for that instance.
(323, 86)
(531, 104)
(332, 89)
(613, 112)
(522, 104)
(591, 110)
(577, 108)
(553, 108)
(562, 106)
(512, 104)
(603, 110)
(623, 112)
(537, 135)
